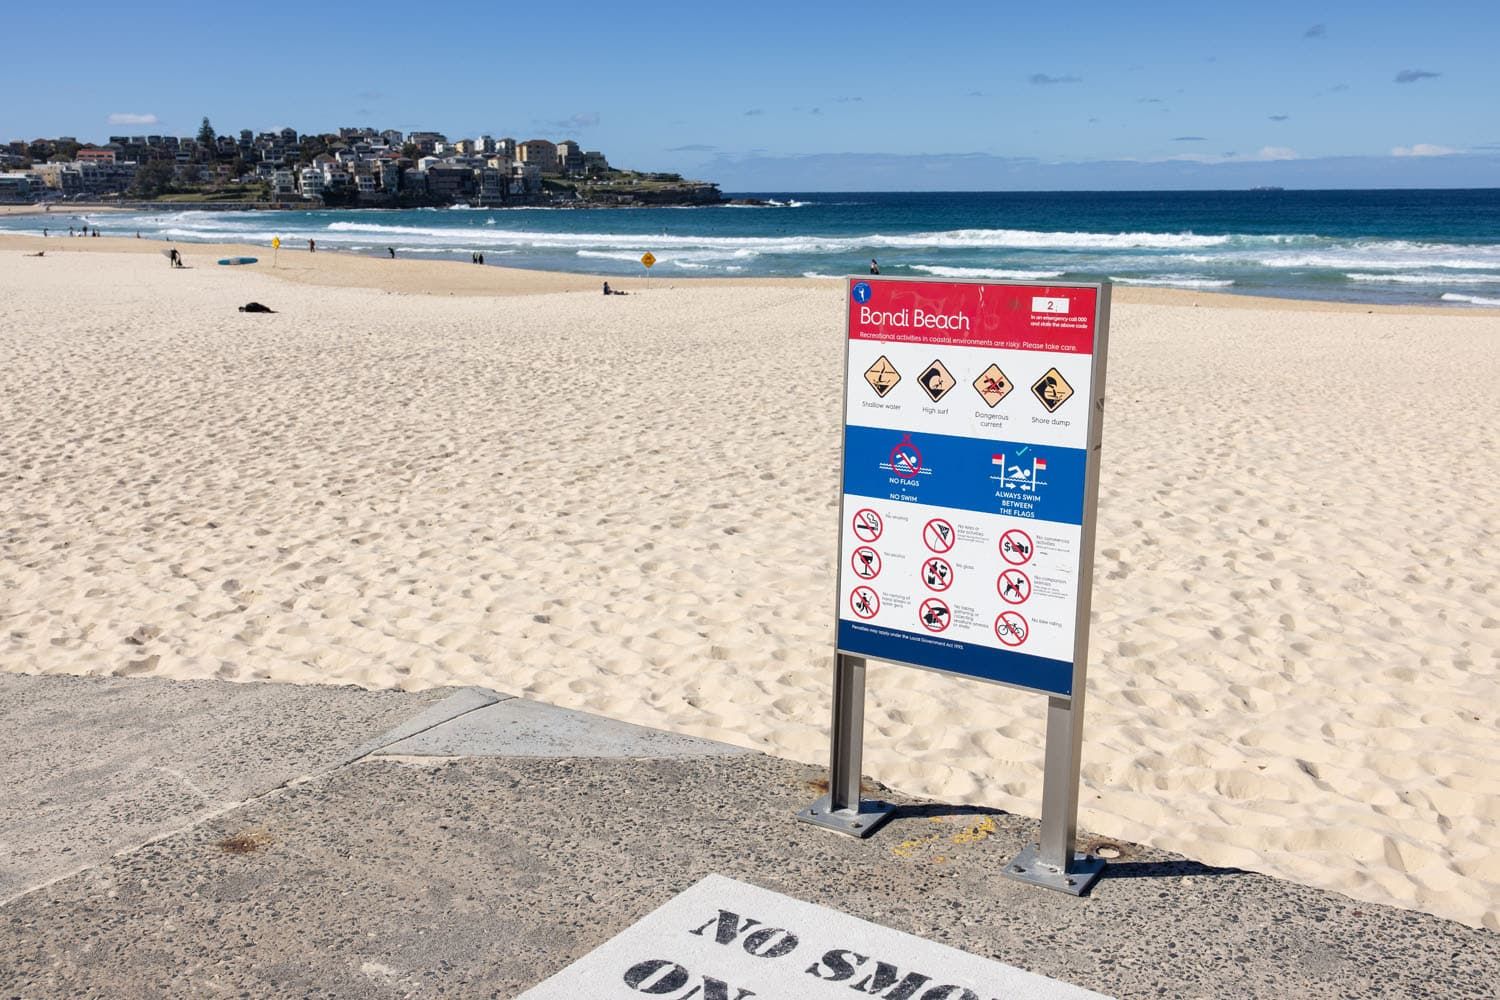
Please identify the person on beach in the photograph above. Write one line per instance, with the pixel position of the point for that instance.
(874, 266)
(391, 251)
(45, 234)
(312, 246)
(174, 258)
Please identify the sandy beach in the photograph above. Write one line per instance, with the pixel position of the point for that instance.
(426, 473)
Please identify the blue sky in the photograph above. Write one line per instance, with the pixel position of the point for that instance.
(806, 96)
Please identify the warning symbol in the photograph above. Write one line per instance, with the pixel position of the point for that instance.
(937, 574)
(938, 534)
(1015, 547)
(934, 615)
(1011, 628)
(867, 525)
(882, 377)
(1052, 389)
(992, 385)
(865, 602)
(906, 459)
(1014, 586)
(936, 381)
(866, 562)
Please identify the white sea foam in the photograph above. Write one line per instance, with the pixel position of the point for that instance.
(1176, 281)
(1473, 300)
(944, 271)
(1427, 279)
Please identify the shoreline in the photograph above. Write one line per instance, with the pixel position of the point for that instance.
(404, 275)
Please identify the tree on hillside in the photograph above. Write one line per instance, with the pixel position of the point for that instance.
(411, 151)
(206, 134)
(151, 179)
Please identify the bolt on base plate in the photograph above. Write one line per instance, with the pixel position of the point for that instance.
(1082, 873)
(871, 814)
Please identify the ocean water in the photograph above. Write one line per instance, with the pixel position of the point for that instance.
(1438, 247)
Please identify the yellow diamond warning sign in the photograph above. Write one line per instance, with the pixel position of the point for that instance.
(992, 385)
(648, 258)
(882, 377)
(936, 380)
(1052, 389)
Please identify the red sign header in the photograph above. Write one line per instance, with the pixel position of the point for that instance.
(1014, 317)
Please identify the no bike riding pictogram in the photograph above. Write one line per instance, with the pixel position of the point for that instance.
(1011, 629)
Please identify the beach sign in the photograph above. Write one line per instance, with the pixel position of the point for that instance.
(648, 259)
(275, 242)
(986, 497)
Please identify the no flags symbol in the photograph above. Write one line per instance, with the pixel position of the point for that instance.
(906, 459)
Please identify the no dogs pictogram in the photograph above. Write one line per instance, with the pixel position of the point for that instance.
(992, 385)
(1014, 586)
(864, 602)
(906, 459)
(882, 376)
(1052, 390)
(1015, 547)
(934, 615)
(936, 380)
(866, 562)
(867, 525)
(1011, 628)
(938, 535)
(937, 574)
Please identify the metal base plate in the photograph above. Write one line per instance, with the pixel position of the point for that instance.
(871, 814)
(1081, 874)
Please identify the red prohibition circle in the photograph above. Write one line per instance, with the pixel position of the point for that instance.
(1016, 547)
(938, 535)
(1011, 628)
(868, 525)
(864, 598)
(912, 456)
(937, 574)
(934, 615)
(865, 562)
(1014, 586)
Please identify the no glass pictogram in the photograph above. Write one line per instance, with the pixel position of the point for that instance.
(864, 602)
(937, 574)
(934, 615)
(1014, 586)
(867, 525)
(992, 385)
(1011, 629)
(866, 563)
(938, 535)
(936, 380)
(906, 459)
(1015, 547)
(1052, 390)
(882, 376)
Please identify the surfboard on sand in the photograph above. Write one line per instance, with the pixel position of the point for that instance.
(238, 260)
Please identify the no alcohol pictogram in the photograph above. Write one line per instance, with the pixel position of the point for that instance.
(867, 525)
(864, 602)
(1014, 586)
(937, 574)
(938, 535)
(866, 563)
(882, 376)
(1011, 629)
(992, 385)
(934, 615)
(1052, 390)
(906, 459)
(1015, 547)
(936, 380)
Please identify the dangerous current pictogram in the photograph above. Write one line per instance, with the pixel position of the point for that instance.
(992, 385)
(934, 615)
(906, 459)
(882, 376)
(864, 602)
(1015, 547)
(1014, 586)
(938, 535)
(1011, 629)
(867, 525)
(1052, 390)
(866, 563)
(937, 574)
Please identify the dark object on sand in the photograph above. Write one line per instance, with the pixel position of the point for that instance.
(39, 253)
(255, 307)
(613, 291)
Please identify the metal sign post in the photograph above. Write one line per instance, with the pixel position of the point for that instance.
(968, 516)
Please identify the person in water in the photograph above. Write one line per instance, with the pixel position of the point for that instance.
(874, 266)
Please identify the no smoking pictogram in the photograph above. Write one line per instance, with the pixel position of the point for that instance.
(1011, 629)
(1015, 547)
(937, 574)
(866, 562)
(938, 535)
(1014, 586)
(906, 459)
(864, 602)
(867, 525)
(934, 615)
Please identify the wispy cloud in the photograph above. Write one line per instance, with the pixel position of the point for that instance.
(1278, 118)
(695, 147)
(755, 111)
(1424, 149)
(848, 100)
(1189, 138)
(976, 93)
(1047, 80)
(1413, 75)
(131, 118)
(1148, 100)
(584, 119)
(1276, 153)
(1316, 31)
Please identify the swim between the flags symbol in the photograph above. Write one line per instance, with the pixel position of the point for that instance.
(882, 376)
